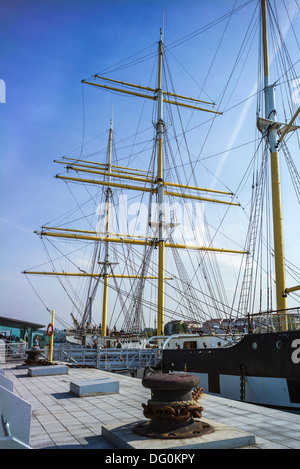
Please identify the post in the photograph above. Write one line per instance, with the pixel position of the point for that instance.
(270, 113)
(51, 339)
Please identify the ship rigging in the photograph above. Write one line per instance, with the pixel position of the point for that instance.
(173, 258)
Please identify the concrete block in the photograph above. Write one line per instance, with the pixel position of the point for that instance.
(222, 437)
(48, 370)
(92, 387)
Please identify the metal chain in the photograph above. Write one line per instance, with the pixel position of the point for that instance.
(242, 382)
(172, 404)
(196, 394)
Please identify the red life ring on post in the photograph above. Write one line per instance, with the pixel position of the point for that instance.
(50, 329)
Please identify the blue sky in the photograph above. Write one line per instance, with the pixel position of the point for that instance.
(47, 48)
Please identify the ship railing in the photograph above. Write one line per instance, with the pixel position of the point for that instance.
(155, 342)
(274, 321)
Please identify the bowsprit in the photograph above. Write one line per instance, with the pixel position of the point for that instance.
(173, 411)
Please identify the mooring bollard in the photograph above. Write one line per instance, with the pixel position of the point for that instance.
(33, 356)
(173, 407)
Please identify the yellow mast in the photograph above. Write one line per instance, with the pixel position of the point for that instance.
(106, 259)
(160, 198)
(270, 114)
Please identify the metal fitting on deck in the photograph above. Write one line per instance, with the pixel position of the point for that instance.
(173, 407)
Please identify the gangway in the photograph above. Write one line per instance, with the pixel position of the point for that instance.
(123, 360)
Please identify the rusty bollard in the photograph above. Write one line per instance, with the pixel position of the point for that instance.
(33, 356)
(173, 408)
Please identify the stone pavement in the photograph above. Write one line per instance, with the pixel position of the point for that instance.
(61, 420)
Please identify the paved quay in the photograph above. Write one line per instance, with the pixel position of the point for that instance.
(61, 420)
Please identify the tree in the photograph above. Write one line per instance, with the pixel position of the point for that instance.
(180, 328)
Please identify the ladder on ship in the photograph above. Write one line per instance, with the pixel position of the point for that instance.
(254, 228)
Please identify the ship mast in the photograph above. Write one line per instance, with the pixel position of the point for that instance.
(106, 258)
(160, 198)
(270, 115)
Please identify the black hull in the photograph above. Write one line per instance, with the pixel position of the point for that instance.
(257, 369)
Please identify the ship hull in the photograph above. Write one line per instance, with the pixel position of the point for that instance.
(262, 368)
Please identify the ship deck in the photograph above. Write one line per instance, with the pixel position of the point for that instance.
(61, 420)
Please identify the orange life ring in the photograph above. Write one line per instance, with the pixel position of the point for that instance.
(50, 329)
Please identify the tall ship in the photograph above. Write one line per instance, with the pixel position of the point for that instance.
(166, 239)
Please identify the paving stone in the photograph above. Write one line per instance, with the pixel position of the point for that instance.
(55, 410)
